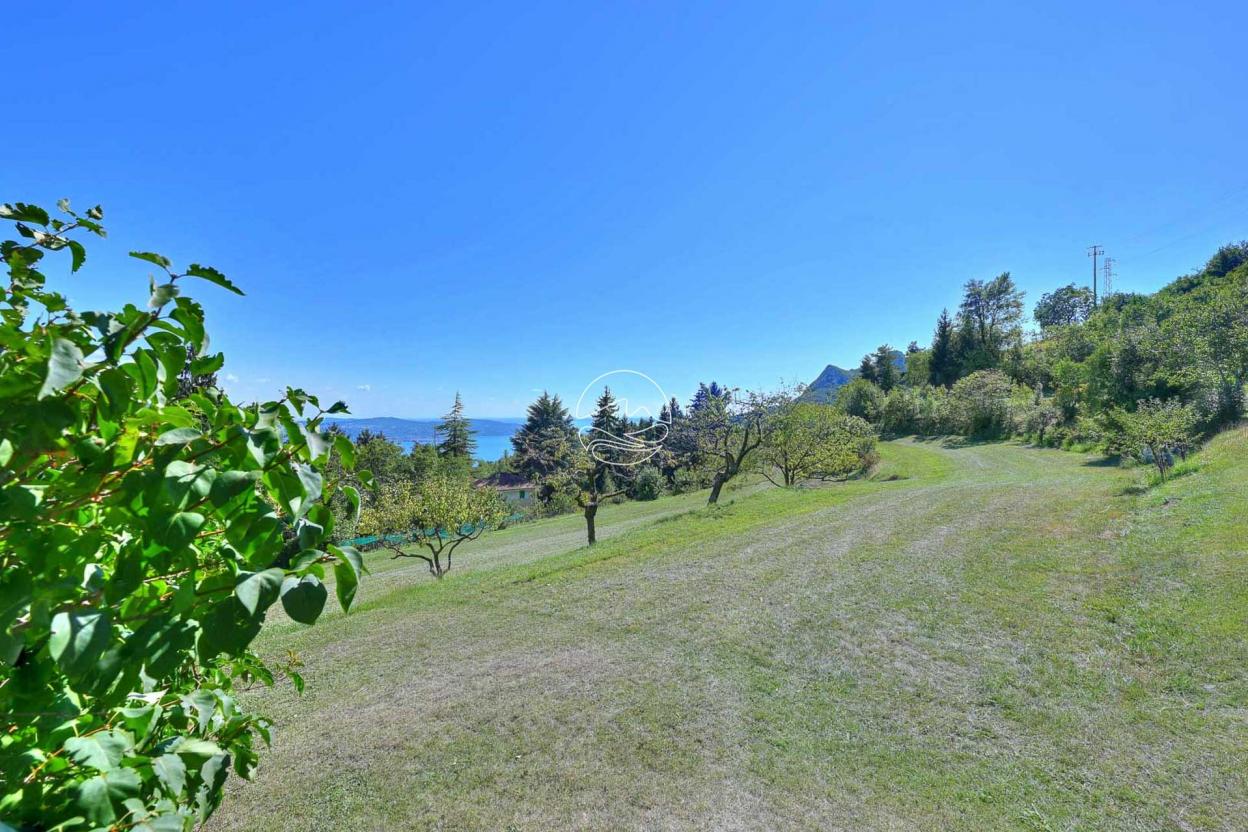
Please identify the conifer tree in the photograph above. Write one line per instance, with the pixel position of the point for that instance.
(885, 369)
(942, 368)
(457, 433)
(544, 445)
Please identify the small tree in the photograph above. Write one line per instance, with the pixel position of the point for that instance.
(593, 487)
(437, 514)
(728, 429)
(1162, 428)
(805, 440)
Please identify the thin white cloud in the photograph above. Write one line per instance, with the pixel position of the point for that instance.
(364, 387)
(230, 377)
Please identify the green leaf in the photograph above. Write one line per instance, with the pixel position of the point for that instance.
(79, 252)
(346, 451)
(304, 598)
(151, 257)
(228, 628)
(6, 451)
(229, 484)
(187, 482)
(353, 497)
(257, 590)
(171, 771)
(212, 276)
(191, 747)
(347, 574)
(182, 529)
(338, 407)
(310, 534)
(21, 212)
(346, 583)
(208, 364)
(162, 294)
(350, 556)
(64, 367)
(102, 751)
(78, 639)
(96, 802)
(178, 436)
(318, 443)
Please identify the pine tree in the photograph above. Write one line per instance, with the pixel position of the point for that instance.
(606, 427)
(707, 393)
(544, 444)
(866, 369)
(885, 369)
(606, 417)
(457, 433)
(942, 371)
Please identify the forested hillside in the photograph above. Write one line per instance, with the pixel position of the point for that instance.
(1122, 372)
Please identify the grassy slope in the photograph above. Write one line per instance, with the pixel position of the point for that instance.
(1005, 639)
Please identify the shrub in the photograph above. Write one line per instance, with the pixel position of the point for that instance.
(900, 413)
(980, 403)
(647, 485)
(692, 479)
(861, 398)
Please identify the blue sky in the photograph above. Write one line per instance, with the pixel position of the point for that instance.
(498, 198)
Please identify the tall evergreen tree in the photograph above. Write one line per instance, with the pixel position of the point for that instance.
(671, 412)
(457, 433)
(885, 369)
(708, 394)
(606, 418)
(942, 367)
(545, 443)
(866, 369)
(606, 426)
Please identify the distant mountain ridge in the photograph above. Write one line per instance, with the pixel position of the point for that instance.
(823, 389)
(418, 430)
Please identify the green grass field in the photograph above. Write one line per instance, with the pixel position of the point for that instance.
(979, 637)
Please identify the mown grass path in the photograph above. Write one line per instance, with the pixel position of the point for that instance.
(1003, 639)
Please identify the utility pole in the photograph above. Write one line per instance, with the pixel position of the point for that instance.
(1107, 272)
(1094, 252)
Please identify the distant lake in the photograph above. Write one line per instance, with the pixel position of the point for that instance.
(493, 435)
(489, 448)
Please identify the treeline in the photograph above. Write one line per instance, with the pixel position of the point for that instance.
(722, 432)
(1145, 374)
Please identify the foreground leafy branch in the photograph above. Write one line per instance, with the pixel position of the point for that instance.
(146, 528)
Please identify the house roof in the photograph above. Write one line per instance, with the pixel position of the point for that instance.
(505, 480)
